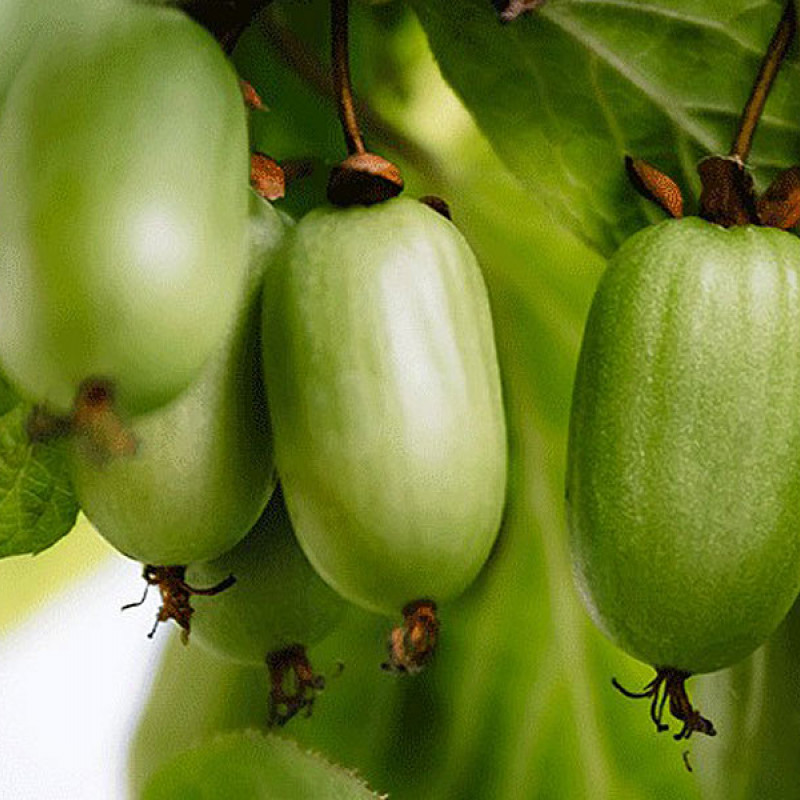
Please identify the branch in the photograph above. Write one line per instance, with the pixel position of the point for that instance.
(294, 52)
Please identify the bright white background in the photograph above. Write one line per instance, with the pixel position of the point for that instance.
(73, 679)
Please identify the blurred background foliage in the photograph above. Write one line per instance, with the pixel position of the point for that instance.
(518, 703)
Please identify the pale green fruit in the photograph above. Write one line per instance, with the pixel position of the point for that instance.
(203, 470)
(278, 599)
(386, 402)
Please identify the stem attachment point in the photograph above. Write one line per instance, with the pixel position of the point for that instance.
(364, 179)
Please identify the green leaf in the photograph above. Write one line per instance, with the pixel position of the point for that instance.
(565, 93)
(760, 703)
(37, 580)
(249, 764)
(37, 505)
(8, 397)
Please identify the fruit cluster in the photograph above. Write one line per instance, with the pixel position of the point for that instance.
(280, 418)
(197, 346)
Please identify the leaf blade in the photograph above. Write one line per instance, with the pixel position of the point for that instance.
(566, 93)
(37, 504)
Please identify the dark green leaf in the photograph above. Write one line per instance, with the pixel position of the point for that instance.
(37, 505)
(565, 93)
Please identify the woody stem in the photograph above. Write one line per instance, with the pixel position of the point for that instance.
(342, 86)
(776, 52)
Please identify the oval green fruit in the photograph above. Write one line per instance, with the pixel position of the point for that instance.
(278, 599)
(386, 403)
(683, 482)
(204, 468)
(123, 206)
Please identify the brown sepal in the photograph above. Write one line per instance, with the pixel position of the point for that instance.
(364, 179)
(94, 421)
(103, 433)
(267, 177)
(669, 685)
(291, 665)
(728, 197)
(176, 596)
(412, 645)
(655, 186)
(779, 206)
(509, 10)
(252, 99)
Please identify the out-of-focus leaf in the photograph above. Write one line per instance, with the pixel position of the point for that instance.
(759, 710)
(35, 580)
(249, 764)
(195, 695)
(8, 397)
(37, 504)
(566, 92)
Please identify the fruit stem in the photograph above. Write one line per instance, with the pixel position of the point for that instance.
(342, 85)
(776, 52)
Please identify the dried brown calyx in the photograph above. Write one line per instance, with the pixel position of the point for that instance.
(669, 685)
(176, 596)
(101, 432)
(293, 684)
(728, 196)
(413, 644)
(267, 177)
(252, 99)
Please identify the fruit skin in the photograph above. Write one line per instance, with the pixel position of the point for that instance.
(683, 478)
(204, 466)
(124, 156)
(386, 403)
(278, 599)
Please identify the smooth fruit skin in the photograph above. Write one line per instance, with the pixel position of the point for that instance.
(204, 467)
(278, 599)
(386, 402)
(123, 206)
(683, 480)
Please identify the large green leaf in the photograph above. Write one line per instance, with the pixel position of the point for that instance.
(760, 704)
(564, 93)
(37, 504)
(249, 764)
